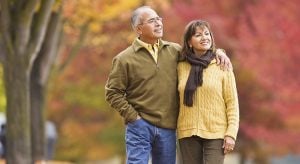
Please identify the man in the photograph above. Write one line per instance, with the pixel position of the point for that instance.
(142, 87)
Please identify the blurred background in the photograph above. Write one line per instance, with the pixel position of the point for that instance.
(261, 37)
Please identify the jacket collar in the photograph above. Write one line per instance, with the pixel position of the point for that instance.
(137, 45)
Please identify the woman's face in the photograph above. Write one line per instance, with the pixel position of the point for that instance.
(201, 41)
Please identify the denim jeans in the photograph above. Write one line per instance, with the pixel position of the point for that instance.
(144, 139)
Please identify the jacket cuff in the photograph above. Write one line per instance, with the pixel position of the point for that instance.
(130, 116)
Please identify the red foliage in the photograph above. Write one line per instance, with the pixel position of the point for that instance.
(263, 37)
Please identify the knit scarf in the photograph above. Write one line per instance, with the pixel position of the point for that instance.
(195, 78)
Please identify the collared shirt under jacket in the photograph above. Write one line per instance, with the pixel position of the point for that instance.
(139, 85)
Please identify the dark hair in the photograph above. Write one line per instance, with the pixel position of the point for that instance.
(189, 31)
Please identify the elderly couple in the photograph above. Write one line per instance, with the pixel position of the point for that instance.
(166, 92)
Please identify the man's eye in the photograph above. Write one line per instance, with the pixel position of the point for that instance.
(151, 20)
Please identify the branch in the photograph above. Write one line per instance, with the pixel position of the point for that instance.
(2, 50)
(23, 24)
(17, 7)
(6, 41)
(50, 46)
(39, 30)
(76, 47)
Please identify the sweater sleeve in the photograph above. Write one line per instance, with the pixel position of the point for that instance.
(232, 105)
(115, 91)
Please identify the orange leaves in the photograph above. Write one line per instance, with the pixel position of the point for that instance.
(95, 12)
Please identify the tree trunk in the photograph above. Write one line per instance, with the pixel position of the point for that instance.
(38, 118)
(18, 143)
(39, 79)
(38, 83)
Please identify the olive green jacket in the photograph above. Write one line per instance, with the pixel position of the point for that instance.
(139, 85)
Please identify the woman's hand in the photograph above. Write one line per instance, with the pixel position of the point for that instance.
(228, 144)
(223, 60)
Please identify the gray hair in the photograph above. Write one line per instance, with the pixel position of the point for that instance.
(136, 15)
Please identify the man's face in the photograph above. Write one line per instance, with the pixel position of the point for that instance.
(150, 28)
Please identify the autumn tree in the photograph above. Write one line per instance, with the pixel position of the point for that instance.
(23, 28)
(76, 105)
(39, 78)
(266, 35)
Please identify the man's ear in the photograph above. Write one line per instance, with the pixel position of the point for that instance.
(138, 29)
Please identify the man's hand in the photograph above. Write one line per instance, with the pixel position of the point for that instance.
(138, 117)
(223, 60)
(228, 144)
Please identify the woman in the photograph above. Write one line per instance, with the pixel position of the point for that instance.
(209, 112)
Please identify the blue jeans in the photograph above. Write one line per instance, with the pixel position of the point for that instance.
(143, 139)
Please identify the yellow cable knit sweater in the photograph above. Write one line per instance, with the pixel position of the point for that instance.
(215, 110)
